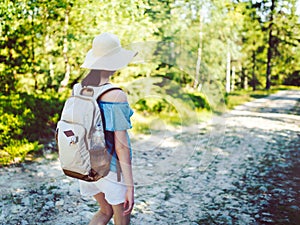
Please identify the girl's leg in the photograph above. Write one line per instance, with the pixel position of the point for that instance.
(103, 216)
(119, 218)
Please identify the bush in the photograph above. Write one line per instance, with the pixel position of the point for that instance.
(173, 107)
(25, 121)
(293, 79)
(199, 101)
(16, 151)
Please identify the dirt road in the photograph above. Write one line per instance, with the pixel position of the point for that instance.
(239, 168)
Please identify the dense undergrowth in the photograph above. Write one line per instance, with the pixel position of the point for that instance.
(27, 121)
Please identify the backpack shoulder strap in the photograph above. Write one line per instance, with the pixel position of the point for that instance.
(92, 91)
(99, 91)
(76, 89)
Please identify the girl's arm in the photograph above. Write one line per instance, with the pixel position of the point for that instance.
(123, 153)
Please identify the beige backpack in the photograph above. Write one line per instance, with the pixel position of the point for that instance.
(80, 136)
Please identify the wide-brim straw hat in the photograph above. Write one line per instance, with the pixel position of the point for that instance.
(107, 54)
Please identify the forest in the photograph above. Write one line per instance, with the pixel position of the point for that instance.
(192, 56)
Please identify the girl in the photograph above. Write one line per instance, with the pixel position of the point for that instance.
(116, 198)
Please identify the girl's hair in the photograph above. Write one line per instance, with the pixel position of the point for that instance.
(92, 78)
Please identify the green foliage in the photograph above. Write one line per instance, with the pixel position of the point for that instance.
(43, 43)
(160, 102)
(280, 50)
(27, 116)
(199, 100)
(26, 119)
(16, 151)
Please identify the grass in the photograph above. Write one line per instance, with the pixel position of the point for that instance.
(151, 123)
(241, 96)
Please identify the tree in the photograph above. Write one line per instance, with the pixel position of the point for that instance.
(271, 44)
(253, 51)
(16, 52)
(278, 19)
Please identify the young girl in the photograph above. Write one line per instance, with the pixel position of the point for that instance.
(116, 198)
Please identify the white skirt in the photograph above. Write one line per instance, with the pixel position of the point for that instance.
(113, 190)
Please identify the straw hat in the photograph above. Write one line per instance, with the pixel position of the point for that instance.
(107, 54)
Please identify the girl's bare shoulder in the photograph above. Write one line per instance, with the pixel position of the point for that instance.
(115, 95)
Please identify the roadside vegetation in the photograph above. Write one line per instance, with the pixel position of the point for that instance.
(28, 122)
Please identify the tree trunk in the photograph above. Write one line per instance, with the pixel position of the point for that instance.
(245, 82)
(233, 78)
(33, 70)
(253, 83)
(65, 81)
(228, 72)
(48, 48)
(196, 81)
(270, 48)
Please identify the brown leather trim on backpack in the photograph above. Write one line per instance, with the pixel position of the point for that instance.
(56, 135)
(118, 171)
(93, 176)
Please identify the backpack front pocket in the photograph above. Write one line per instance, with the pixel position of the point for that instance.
(72, 139)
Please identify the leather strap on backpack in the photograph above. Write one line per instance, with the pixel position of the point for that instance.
(118, 170)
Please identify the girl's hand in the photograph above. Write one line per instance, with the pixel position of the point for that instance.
(129, 201)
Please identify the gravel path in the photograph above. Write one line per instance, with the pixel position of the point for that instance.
(239, 168)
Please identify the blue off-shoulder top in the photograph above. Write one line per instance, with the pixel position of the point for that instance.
(116, 117)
